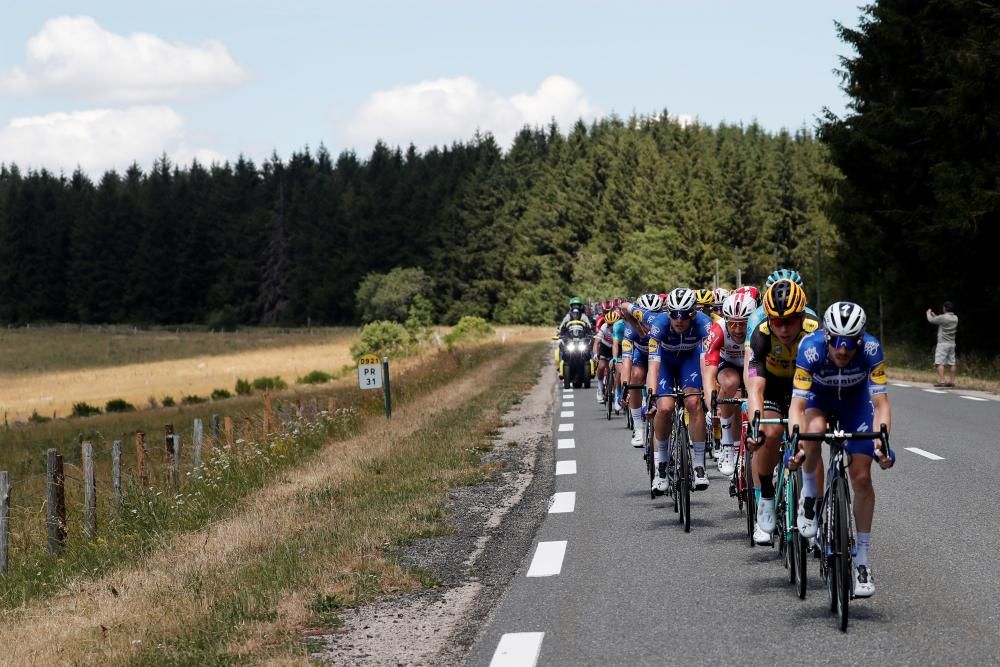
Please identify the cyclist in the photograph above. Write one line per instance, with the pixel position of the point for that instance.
(719, 295)
(676, 340)
(617, 339)
(635, 353)
(780, 274)
(724, 352)
(840, 374)
(705, 300)
(770, 367)
(602, 349)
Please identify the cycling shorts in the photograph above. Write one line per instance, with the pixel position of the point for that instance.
(640, 357)
(605, 352)
(723, 365)
(853, 413)
(679, 371)
(777, 395)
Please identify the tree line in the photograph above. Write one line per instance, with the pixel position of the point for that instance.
(895, 205)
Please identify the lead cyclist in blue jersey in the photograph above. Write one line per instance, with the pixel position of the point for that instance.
(676, 341)
(635, 358)
(840, 375)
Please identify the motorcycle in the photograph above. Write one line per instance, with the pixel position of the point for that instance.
(576, 365)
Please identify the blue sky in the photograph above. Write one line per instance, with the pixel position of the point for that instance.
(103, 83)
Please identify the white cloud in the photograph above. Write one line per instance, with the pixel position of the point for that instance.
(445, 110)
(99, 140)
(76, 56)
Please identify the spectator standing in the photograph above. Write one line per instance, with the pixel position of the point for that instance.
(944, 353)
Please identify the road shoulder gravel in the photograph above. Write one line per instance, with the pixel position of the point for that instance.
(493, 525)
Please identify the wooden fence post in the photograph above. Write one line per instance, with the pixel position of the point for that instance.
(168, 442)
(268, 414)
(4, 519)
(196, 447)
(228, 428)
(140, 459)
(55, 506)
(216, 428)
(89, 492)
(175, 461)
(116, 473)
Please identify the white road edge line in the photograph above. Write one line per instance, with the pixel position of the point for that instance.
(566, 414)
(975, 398)
(565, 427)
(566, 467)
(935, 391)
(548, 559)
(562, 502)
(566, 443)
(925, 454)
(518, 649)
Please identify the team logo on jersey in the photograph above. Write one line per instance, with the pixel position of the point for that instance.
(871, 347)
(626, 346)
(654, 331)
(654, 346)
(812, 356)
(878, 375)
(802, 379)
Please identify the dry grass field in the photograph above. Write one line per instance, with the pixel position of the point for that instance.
(49, 369)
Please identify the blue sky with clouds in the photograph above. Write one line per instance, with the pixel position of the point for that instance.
(103, 83)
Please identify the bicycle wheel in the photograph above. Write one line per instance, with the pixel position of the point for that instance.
(842, 552)
(800, 545)
(609, 390)
(751, 498)
(650, 460)
(682, 454)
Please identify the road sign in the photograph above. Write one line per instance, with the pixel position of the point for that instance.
(370, 372)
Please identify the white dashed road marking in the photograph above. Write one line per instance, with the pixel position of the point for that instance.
(518, 649)
(975, 398)
(900, 384)
(568, 404)
(562, 502)
(566, 414)
(925, 454)
(935, 391)
(566, 443)
(565, 427)
(565, 467)
(548, 559)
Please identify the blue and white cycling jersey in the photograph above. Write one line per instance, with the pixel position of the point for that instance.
(679, 354)
(817, 375)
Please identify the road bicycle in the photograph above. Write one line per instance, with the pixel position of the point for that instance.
(837, 535)
(679, 462)
(609, 388)
(741, 482)
(626, 388)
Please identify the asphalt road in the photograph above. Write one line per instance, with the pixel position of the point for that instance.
(631, 588)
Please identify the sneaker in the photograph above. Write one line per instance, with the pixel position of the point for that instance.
(600, 398)
(618, 406)
(700, 479)
(661, 485)
(727, 462)
(806, 524)
(765, 515)
(760, 536)
(864, 583)
(637, 438)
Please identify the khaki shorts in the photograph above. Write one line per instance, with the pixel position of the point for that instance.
(944, 354)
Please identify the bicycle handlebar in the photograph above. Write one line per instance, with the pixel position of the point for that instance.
(882, 435)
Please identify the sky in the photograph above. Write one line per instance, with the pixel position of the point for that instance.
(103, 83)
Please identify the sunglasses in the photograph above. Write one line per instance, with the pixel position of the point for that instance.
(680, 314)
(846, 342)
(784, 321)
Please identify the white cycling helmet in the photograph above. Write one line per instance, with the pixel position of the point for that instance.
(738, 307)
(844, 318)
(682, 299)
(650, 302)
(719, 295)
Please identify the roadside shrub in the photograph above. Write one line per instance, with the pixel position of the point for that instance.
(266, 383)
(385, 339)
(168, 402)
(220, 394)
(193, 400)
(36, 418)
(243, 387)
(226, 318)
(84, 410)
(315, 377)
(118, 405)
(469, 329)
(390, 296)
